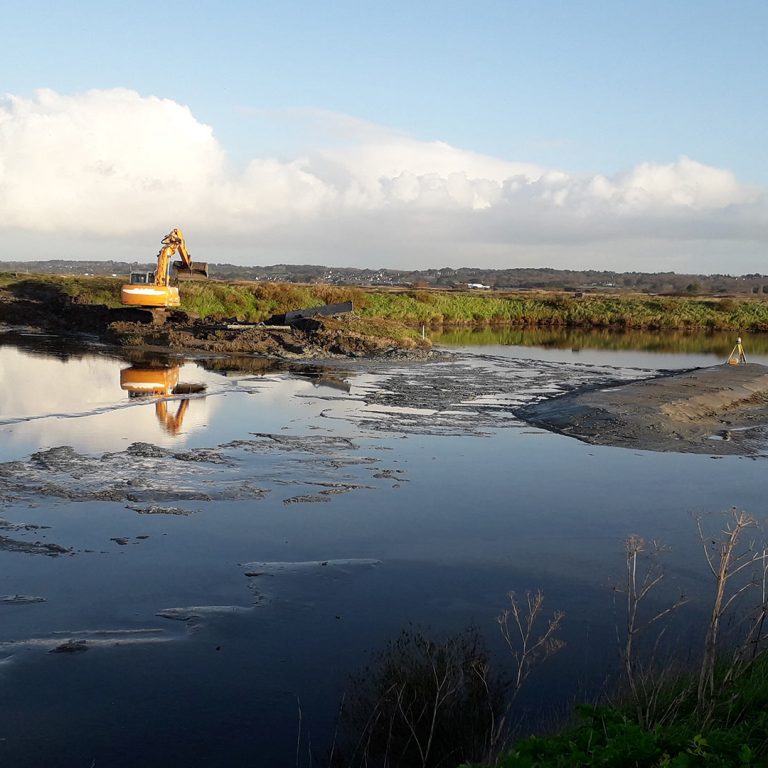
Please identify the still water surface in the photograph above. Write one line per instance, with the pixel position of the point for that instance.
(415, 485)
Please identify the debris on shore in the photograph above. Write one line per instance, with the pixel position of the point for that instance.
(45, 307)
(310, 338)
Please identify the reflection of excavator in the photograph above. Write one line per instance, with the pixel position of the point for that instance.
(145, 382)
(171, 422)
(154, 289)
(159, 382)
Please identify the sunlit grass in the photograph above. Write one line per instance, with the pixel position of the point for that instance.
(256, 301)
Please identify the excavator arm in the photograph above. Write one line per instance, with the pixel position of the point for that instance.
(185, 269)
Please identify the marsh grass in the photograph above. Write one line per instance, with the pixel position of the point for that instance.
(256, 301)
(458, 308)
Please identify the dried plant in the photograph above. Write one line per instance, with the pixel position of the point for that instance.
(423, 703)
(644, 572)
(737, 566)
(527, 650)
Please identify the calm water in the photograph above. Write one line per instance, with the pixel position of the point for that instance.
(366, 498)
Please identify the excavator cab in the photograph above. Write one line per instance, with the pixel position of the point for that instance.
(141, 278)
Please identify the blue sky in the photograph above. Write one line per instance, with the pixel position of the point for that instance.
(584, 89)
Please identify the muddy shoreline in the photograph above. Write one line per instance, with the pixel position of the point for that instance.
(45, 308)
(722, 410)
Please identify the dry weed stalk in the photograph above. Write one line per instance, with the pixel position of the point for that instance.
(527, 651)
(644, 574)
(446, 682)
(727, 558)
(752, 646)
(496, 735)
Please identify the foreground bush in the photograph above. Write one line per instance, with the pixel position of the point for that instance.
(611, 738)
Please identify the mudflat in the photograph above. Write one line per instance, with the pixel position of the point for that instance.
(722, 410)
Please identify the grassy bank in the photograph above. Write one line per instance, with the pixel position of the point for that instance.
(244, 301)
(559, 310)
(258, 301)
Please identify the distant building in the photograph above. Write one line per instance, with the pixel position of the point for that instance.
(477, 285)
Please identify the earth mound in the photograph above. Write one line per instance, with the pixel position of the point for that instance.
(722, 410)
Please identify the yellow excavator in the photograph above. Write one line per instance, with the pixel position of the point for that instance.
(154, 289)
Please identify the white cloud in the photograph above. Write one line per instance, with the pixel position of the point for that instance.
(123, 167)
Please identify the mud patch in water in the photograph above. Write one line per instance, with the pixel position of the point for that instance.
(142, 473)
(81, 640)
(467, 394)
(33, 547)
(154, 509)
(21, 599)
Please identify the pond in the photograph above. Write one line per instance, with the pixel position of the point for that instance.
(214, 546)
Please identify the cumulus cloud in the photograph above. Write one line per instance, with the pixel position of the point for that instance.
(119, 165)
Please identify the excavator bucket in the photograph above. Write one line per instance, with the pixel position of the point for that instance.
(197, 270)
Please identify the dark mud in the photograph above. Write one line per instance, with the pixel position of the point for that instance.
(151, 480)
(141, 473)
(467, 394)
(32, 547)
(154, 509)
(719, 411)
(8, 544)
(36, 304)
(307, 339)
(21, 599)
(84, 639)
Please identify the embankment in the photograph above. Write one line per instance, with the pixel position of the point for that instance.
(721, 410)
(47, 306)
(257, 301)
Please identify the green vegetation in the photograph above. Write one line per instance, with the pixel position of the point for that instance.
(437, 308)
(611, 738)
(259, 301)
(255, 301)
(736, 733)
(244, 301)
(83, 290)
